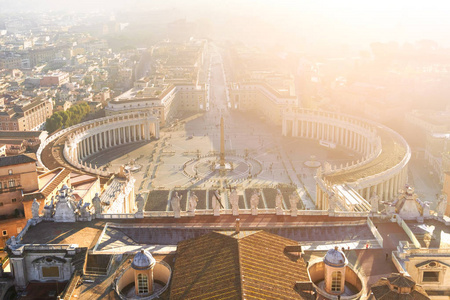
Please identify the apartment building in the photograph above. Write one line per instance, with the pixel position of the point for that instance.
(26, 115)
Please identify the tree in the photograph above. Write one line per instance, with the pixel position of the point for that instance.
(72, 116)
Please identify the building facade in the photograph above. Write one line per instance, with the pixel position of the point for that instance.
(27, 115)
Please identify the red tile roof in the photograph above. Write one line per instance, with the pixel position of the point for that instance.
(223, 265)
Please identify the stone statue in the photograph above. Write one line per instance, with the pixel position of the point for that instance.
(48, 209)
(425, 209)
(175, 202)
(215, 201)
(374, 199)
(140, 203)
(35, 209)
(331, 202)
(279, 202)
(193, 200)
(254, 201)
(97, 204)
(80, 204)
(293, 200)
(65, 207)
(13, 241)
(85, 212)
(442, 205)
(234, 200)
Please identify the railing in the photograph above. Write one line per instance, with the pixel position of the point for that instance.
(408, 232)
(397, 263)
(375, 232)
(205, 212)
(115, 216)
(10, 189)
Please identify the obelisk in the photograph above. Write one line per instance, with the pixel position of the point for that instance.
(222, 144)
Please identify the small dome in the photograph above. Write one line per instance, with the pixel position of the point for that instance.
(143, 261)
(335, 258)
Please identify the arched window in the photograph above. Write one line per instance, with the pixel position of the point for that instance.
(142, 284)
(336, 281)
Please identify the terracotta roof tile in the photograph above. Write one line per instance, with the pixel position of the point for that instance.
(222, 265)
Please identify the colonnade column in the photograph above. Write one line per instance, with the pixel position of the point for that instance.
(85, 148)
(95, 143)
(139, 132)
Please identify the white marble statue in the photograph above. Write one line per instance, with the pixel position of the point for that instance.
(279, 202)
(254, 202)
(97, 204)
(140, 203)
(293, 200)
(374, 199)
(193, 200)
(234, 200)
(215, 201)
(175, 202)
(442, 205)
(35, 209)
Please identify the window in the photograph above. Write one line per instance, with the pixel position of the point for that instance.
(429, 276)
(336, 281)
(13, 200)
(142, 284)
(1, 186)
(11, 183)
(1, 203)
(10, 171)
(4, 232)
(50, 272)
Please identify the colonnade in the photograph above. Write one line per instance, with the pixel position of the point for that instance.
(356, 134)
(334, 128)
(111, 137)
(385, 187)
(105, 133)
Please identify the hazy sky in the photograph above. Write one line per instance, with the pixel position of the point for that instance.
(350, 21)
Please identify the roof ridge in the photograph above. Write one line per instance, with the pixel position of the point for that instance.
(241, 285)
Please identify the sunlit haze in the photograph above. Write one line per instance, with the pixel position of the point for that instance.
(232, 149)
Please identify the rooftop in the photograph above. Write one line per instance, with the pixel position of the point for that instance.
(17, 160)
(436, 233)
(169, 231)
(227, 266)
(382, 289)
